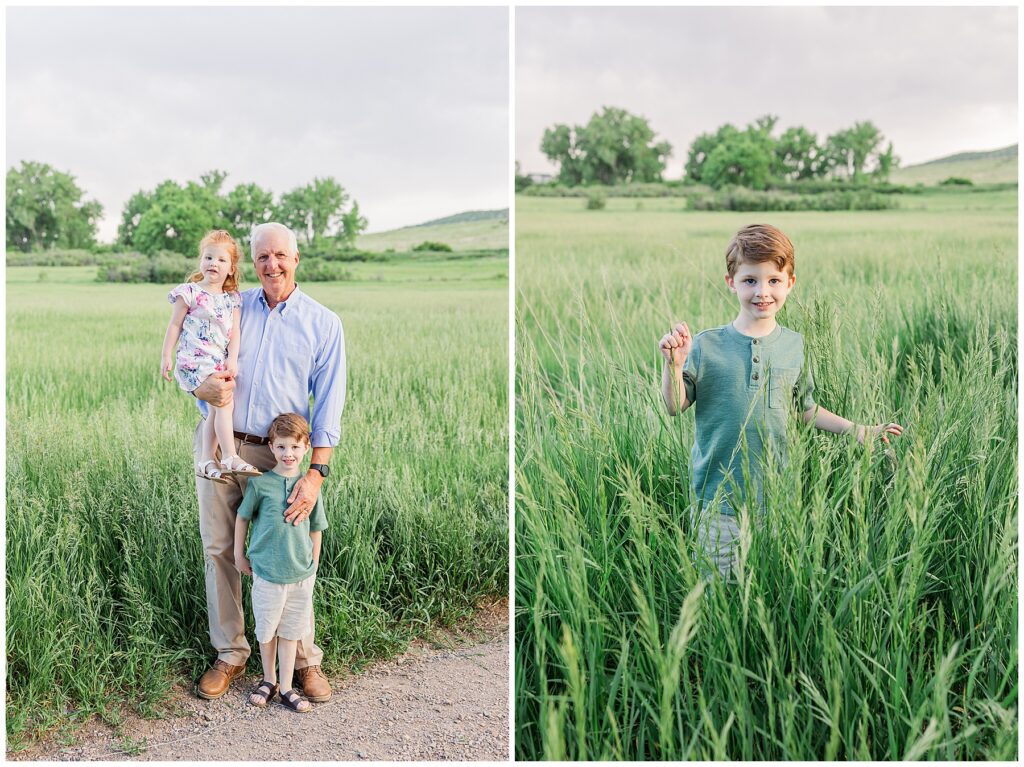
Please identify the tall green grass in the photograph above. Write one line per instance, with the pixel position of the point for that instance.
(875, 614)
(105, 596)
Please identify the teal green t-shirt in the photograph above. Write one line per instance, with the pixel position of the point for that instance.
(742, 389)
(279, 551)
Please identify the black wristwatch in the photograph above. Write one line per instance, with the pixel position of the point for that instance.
(323, 468)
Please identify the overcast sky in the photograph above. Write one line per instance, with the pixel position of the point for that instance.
(406, 107)
(934, 80)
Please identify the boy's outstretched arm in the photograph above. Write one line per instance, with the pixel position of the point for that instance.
(829, 421)
(675, 347)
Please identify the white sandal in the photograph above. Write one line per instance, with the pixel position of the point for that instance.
(210, 470)
(235, 465)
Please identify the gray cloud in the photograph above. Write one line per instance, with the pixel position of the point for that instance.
(935, 80)
(406, 107)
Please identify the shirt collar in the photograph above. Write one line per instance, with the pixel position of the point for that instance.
(745, 339)
(282, 306)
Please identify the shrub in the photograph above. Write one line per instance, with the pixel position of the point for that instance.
(653, 189)
(741, 199)
(53, 257)
(429, 245)
(819, 186)
(596, 199)
(956, 181)
(169, 268)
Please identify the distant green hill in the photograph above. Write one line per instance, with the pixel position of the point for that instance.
(471, 230)
(469, 215)
(997, 166)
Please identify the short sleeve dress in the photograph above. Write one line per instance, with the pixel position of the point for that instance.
(203, 344)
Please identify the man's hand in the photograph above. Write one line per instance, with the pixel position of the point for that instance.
(675, 346)
(217, 389)
(303, 497)
(882, 429)
(166, 366)
(242, 563)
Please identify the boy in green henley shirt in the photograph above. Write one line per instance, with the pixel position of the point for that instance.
(282, 561)
(747, 379)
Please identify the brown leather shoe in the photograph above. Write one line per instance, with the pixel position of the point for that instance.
(215, 682)
(314, 684)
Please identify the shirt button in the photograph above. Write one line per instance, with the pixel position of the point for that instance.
(755, 376)
(757, 359)
(754, 342)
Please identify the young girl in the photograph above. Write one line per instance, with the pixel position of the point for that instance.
(206, 318)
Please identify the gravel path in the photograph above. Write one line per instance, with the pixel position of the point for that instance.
(442, 701)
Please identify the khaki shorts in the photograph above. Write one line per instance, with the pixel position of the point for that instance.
(282, 609)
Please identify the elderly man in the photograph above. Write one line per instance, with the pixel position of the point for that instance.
(291, 347)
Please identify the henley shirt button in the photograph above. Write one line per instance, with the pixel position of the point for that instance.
(757, 359)
(755, 376)
(754, 342)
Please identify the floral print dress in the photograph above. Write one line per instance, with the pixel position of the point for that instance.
(203, 343)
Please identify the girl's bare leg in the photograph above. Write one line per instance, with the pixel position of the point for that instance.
(286, 650)
(209, 438)
(224, 428)
(268, 654)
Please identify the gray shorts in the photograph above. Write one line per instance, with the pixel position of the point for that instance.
(282, 609)
(718, 543)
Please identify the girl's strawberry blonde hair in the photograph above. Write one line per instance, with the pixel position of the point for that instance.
(224, 239)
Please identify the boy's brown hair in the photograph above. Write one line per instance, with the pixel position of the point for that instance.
(758, 243)
(289, 425)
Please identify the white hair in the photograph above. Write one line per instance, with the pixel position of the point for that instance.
(272, 226)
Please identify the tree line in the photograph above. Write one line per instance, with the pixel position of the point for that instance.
(47, 209)
(616, 147)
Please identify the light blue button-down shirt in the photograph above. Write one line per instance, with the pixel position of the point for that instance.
(287, 354)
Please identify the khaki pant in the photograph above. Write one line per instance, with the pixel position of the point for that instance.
(217, 506)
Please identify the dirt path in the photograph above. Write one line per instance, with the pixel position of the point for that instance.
(445, 700)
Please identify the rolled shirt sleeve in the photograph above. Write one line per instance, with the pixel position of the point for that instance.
(327, 384)
(805, 388)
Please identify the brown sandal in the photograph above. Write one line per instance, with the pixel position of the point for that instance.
(264, 690)
(292, 699)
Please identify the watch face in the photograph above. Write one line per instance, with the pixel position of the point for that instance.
(323, 468)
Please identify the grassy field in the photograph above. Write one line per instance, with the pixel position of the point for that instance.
(877, 617)
(485, 234)
(105, 596)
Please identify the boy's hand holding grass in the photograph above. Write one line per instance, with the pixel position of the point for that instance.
(675, 346)
(880, 430)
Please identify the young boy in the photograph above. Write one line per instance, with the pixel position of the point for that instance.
(284, 559)
(745, 378)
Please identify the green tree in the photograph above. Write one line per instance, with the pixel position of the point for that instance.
(744, 159)
(173, 217)
(245, 206)
(559, 145)
(45, 209)
(703, 146)
(352, 224)
(857, 152)
(175, 223)
(318, 210)
(798, 154)
(614, 147)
